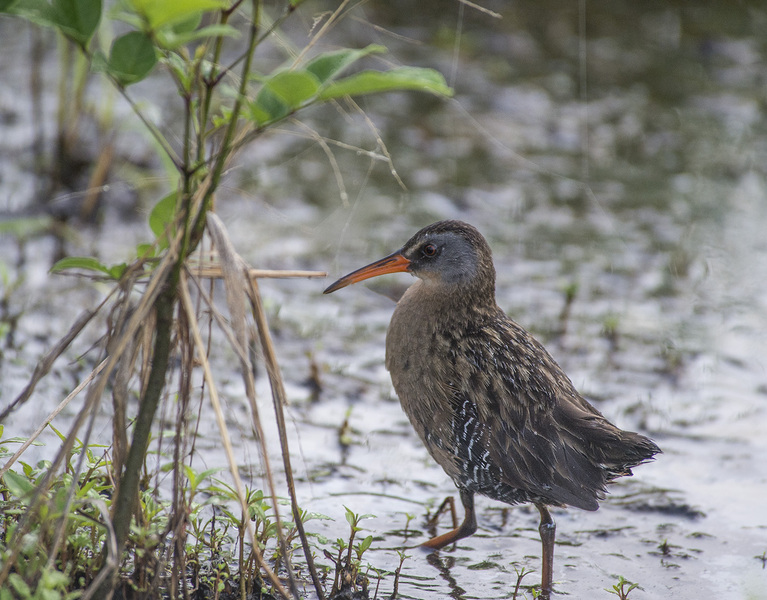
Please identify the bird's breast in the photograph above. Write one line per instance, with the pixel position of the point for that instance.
(421, 356)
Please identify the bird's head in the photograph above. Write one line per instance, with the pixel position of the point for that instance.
(452, 254)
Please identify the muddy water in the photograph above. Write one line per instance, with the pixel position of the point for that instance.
(627, 165)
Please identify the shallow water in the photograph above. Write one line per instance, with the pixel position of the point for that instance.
(649, 198)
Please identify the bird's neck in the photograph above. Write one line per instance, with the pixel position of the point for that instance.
(427, 303)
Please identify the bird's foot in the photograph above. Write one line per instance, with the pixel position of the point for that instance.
(447, 503)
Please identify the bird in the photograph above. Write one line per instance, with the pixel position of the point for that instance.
(488, 401)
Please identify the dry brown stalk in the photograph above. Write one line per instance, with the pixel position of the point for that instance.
(186, 303)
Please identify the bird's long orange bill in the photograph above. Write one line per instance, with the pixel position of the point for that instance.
(394, 263)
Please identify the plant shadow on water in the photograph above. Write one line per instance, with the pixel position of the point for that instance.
(628, 235)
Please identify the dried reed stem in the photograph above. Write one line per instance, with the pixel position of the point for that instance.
(280, 399)
(186, 303)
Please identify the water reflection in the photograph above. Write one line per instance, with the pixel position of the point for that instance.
(443, 564)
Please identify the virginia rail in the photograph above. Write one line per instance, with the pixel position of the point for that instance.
(489, 402)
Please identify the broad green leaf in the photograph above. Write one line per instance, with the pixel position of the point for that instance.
(268, 107)
(330, 64)
(36, 11)
(401, 78)
(162, 215)
(163, 12)
(77, 19)
(20, 486)
(79, 262)
(131, 58)
(294, 88)
(282, 94)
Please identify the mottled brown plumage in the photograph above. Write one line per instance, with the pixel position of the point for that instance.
(489, 402)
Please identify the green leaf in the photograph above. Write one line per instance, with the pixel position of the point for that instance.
(20, 486)
(330, 64)
(61, 436)
(401, 78)
(162, 215)
(365, 544)
(174, 39)
(284, 93)
(145, 250)
(294, 87)
(190, 23)
(268, 107)
(79, 262)
(36, 11)
(158, 13)
(131, 58)
(351, 518)
(77, 19)
(117, 271)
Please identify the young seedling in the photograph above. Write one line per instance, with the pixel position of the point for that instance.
(398, 570)
(521, 573)
(620, 589)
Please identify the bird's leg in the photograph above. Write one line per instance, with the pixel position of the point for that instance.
(465, 529)
(448, 502)
(548, 530)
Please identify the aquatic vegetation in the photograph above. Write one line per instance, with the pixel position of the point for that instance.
(228, 99)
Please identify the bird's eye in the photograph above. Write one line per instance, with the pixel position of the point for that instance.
(429, 250)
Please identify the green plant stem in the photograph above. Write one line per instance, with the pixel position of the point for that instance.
(209, 84)
(129, 483)
(224, 152)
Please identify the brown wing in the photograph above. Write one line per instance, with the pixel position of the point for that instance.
(543, 439)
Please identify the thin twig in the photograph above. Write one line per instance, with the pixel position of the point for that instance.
(331, 159)
(482, 9)
(381, 144)
(213, 270)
